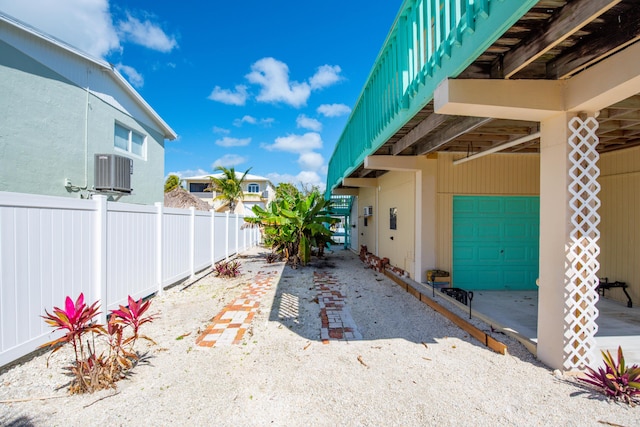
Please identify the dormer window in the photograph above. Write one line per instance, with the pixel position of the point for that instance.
(253, 188)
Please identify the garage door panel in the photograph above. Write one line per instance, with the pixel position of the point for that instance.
(465, 254)
(466, 205)
(465, 231)
(491, 205)
(489, 231)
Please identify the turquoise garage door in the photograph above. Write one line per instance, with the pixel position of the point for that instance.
(495, 242)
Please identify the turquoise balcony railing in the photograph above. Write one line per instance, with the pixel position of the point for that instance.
(430, 41)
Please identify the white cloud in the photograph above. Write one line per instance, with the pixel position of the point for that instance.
(333, 110)
(246, 119)
(85, 24)
(297, 143)
(229, 160)
(273, 77)
(253, 121)
(188, 173)
(325, 76)
(136, 79)
(308, 178)
(308, 123)
(226, 96)
(146, 34)
(304, 179)
(233, 142)
(311, 161)
(221, 131)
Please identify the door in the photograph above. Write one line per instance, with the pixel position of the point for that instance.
(495, 242)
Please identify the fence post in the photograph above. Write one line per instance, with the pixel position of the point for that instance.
(213, 237)
(244, 237)
(159, 240)
(101, 256)
(192, 235)
(226, 236)
(237, 234)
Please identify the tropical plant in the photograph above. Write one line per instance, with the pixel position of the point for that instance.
(294, 223)
(92, 370)
(228, 269)
(76, 320)
(615, 379)
(172, 182)
(228, 186)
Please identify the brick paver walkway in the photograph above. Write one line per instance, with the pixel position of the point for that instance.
(337, 322)
(230, 325)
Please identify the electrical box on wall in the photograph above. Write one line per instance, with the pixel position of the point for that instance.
(112, 173)
(368, 211)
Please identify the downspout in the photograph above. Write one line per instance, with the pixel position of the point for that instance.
(67, 182)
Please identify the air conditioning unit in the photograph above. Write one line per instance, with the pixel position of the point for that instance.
(112, 173)
(368, 210)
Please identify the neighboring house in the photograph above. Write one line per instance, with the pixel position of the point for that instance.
(258, 190)
(59, 107)
(500, 141)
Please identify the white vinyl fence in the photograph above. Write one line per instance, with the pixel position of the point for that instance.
(54, 247)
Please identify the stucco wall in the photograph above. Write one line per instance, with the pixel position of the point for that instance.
(619, 227)
(367, 234)
(397, 190)
(42, 135)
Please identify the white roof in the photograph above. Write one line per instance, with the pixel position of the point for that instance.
(247, 178)
(104, 65)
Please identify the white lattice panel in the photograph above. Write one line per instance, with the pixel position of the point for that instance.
(581, 279)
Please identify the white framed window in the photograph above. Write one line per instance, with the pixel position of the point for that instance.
(253, 188)
(130, 141)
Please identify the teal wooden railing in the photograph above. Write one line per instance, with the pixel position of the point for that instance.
(430, 41)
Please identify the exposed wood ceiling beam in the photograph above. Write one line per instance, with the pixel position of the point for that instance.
(592, 49)
(460, 127)
(423, 129)
(569, 20)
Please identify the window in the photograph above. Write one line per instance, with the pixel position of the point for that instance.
(128, 140)
(253, 188)
(197, 187)
(393, 218)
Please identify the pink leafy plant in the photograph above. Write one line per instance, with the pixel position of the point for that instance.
(91, 370)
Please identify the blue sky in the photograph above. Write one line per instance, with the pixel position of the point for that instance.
(266, 84)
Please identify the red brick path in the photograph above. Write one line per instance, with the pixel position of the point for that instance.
(337, 323)
(230, 325)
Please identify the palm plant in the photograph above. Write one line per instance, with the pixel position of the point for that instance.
(228, 186)
(294, 224)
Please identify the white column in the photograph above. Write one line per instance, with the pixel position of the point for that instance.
(568, 242)
(192, 236)
(226, 236)
(213, 236)
(159, 242)
(100, 271)
(237, 233)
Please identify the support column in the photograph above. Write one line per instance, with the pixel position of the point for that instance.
(568, 241)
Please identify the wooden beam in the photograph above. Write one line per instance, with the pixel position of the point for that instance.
(345, 191)
(569, 20)
(458, 128)
(481, 336)
(424, 128)
(360, 182)
(393, 163)
(592, 49)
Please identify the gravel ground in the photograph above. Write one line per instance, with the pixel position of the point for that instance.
(413, 366)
